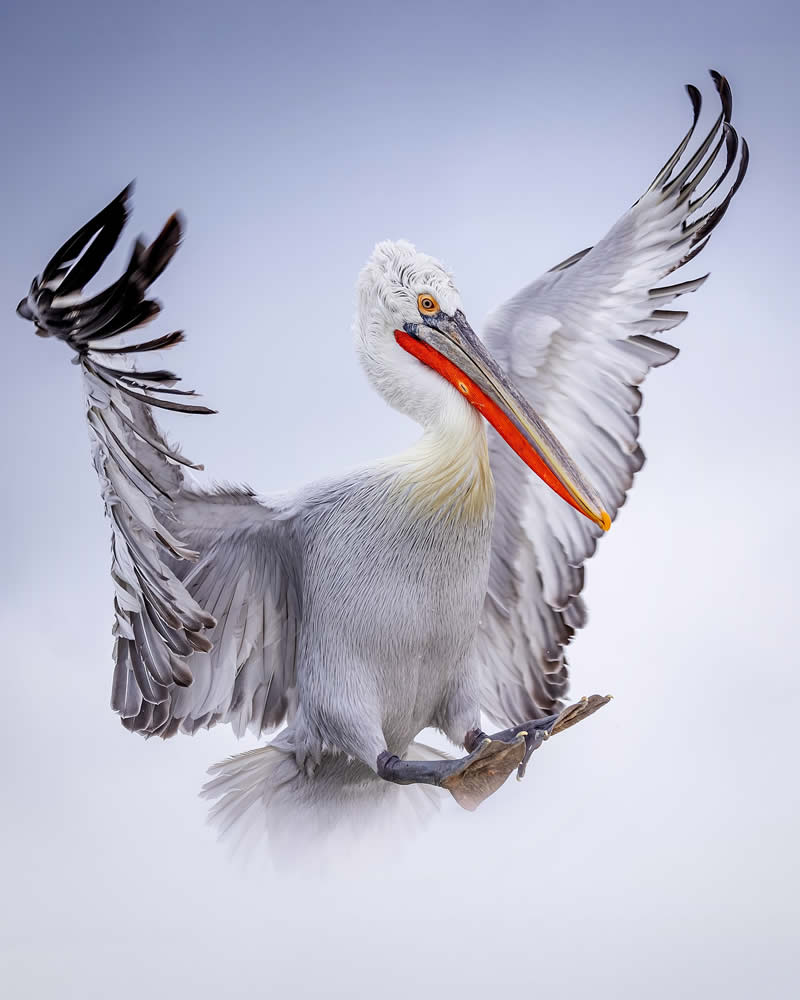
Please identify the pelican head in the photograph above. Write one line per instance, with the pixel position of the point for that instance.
(421, 354)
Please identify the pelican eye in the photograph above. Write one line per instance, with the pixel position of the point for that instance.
(427, 305)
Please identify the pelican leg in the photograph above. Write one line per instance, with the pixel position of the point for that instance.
(537, 731)
(469, 780)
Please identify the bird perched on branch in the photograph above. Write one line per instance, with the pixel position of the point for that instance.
(416, 592)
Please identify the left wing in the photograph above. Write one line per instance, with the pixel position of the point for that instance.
(578, 342)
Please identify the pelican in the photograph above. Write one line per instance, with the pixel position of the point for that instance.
(436, 588)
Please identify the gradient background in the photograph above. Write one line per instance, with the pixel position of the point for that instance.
(652, 852)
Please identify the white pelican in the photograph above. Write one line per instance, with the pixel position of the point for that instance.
(416, 592)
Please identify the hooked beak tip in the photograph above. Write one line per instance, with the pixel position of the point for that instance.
(604, 520)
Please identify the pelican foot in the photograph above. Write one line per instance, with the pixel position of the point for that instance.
(538, 730)
(469, 780)
(490, 759)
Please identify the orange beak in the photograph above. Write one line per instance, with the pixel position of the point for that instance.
(450, 347)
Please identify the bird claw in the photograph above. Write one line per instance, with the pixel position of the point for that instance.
(532, 742)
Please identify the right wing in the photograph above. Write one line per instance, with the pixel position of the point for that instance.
(207, 583)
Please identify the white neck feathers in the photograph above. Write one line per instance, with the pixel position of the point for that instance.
(447, 471)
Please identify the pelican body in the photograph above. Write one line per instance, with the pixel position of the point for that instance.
(388, 649)
(422, 590)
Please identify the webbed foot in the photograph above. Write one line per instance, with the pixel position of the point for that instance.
(538, 730)
(490, 760)
(470, 779)
(484, 770)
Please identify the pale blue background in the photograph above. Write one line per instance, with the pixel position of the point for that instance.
(652, 852)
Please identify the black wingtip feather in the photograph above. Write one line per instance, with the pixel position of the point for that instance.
(731, 146)
(121, 307)
(724, 91)
(702, 228)
(665, 172)
(164, 246)
(103, 229)
(158, 344)
(24, 310)
(696, 98)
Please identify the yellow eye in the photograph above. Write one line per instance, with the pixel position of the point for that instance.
(427, 305)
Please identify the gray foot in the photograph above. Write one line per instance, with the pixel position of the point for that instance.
(491, 760)
(538, 730)
(469, 780)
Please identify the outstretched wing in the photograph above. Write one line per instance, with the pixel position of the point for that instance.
(206, 584)
(578, 342)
